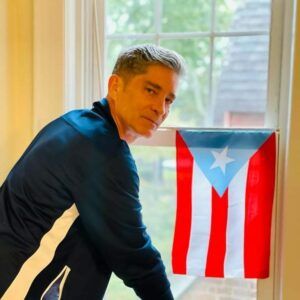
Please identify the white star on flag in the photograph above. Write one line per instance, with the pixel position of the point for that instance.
(221, 159)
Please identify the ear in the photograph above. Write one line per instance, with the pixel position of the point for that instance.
(114, 85)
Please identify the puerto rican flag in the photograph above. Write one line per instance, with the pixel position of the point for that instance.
(225, 191)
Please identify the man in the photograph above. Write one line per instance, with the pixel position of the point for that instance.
(69, 209)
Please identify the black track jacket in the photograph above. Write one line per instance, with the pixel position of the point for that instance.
(70, 215)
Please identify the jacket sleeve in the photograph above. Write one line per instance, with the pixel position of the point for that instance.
(110, 211)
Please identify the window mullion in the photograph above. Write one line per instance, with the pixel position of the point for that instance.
(211, 66)
(99, 34)
(183, 35)
(157, 20)
(275, 54)
(70, 56)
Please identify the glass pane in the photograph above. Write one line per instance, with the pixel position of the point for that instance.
(118, 290)
(240, 81)
(180, 16)
(157, 170)
(217, 289)
(191, 105)
(130, 16)
(242, 15)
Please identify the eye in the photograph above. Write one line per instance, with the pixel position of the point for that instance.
(150, 91)
(169, 101)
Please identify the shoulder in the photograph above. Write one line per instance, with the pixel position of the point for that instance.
(92, 125)
(77, 131)
(78, 140)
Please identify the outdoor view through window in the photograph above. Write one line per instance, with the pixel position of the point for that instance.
(226, 46)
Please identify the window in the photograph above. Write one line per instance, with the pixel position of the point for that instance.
(233, 57)
(226, 46)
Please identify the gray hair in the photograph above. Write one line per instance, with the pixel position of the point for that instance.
(135, 60)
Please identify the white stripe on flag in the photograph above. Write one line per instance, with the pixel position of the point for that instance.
(234, 258)
(200, 227)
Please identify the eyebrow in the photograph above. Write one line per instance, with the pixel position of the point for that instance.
(158, 87)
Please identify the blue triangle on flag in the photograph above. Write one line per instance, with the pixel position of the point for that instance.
(221, 154)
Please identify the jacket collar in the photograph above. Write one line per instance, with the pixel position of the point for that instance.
(102, 108)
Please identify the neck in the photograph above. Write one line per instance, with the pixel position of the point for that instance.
(125, 133)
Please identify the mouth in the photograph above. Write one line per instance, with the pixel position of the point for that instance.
(153, 122)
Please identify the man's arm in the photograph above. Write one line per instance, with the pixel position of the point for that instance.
(110, 211)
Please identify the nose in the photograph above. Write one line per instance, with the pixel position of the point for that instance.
(160, 106)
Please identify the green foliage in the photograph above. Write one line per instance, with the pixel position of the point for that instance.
(130, 16)
(186, 16)
(225, 10)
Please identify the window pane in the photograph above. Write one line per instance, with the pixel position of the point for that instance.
(217, 289)
(157, 170)
(223, 97)
(242, 15)
(180, 16)
(191, 105)
(130, 16)
(118, 290)
(240, 81)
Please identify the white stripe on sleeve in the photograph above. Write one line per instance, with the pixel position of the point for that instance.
(42, 256)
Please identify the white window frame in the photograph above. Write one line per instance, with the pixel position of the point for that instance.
(84, 52)
(85, 43)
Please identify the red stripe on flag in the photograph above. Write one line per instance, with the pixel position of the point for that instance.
(217, 242)
(258, 213)
(184, 206)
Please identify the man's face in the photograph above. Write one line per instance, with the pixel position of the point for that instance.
(143, 102)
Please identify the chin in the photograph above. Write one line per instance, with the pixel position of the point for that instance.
(147, 133)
